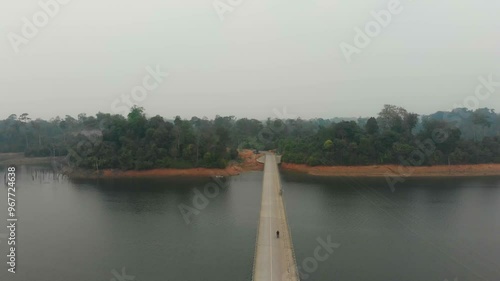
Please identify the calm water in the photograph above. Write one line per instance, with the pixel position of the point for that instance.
(428, 229)
(85, 230)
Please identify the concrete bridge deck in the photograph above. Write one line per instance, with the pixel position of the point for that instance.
(274, 257)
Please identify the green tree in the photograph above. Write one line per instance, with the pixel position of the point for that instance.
(371, 126)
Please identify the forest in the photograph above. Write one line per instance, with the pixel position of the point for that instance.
(140, 142)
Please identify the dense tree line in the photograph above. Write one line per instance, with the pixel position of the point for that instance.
(136, 141)
(132, 142)
(397, 136)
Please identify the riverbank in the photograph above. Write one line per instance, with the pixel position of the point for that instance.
(396, 170)
(19, 159)
(248, 162)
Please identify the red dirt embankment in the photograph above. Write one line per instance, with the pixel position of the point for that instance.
(248, 163)
(396, 170)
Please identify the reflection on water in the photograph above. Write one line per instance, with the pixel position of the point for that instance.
(83, 230)
(428, 229)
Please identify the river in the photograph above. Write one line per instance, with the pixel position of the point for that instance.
(133, 229)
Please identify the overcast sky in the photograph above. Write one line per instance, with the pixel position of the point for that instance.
(266, 58)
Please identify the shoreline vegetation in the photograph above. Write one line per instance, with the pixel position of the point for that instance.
(20, 159)
(396, 142)
(469, 170)
(249, 163)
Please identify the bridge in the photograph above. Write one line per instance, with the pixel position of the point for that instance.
(274, 258)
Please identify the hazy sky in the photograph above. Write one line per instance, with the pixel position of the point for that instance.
(265, 56)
